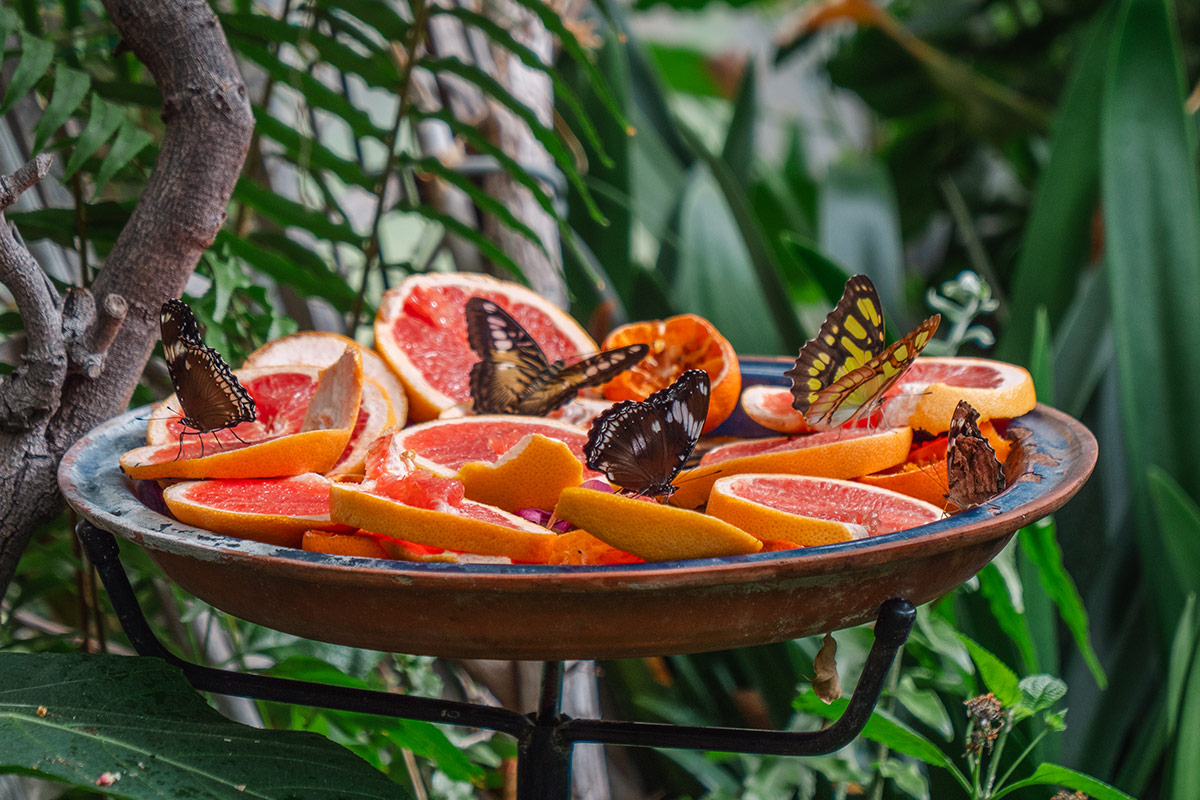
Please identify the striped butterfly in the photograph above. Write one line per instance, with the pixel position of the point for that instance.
(843, 372)
(513, 375)
(209, 394)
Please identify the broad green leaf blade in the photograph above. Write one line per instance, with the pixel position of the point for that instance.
(997, 677)
(1185, 771)
(1011, 620)
(738, 152)
(828, 275)
(1179, 662)
(881, 728)
(103, 121)
(73, 718)
(380, 16)
(128, 143)
(1152, 241)
(308, 153)
(70, 87)
(1040, 692)
(1057, 239)
(1178, 521)
(925, 705)
(1083, 346)
(1040, 543)
(1054, 775)
(859, 227)
(1041, 369)
(36, 56)
(298, 268)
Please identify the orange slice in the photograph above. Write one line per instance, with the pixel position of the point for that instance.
(421, 331)
(580, 548)
(272, 510)
(771, 407)
(923, 475)
(811, 511)
(839, 453)
(342, 544)
(649, 530)
(530, 475)
(443, 446)
(322, 348)
(678, 344)
(324, 432)
(927, 394)
(471, 527)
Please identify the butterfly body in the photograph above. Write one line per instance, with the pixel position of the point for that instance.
(642, 445)
(842, 374)
(513, 375)
(209, 394)
(973, 473)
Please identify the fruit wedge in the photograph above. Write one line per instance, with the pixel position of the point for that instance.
(531, 474)
(926, 396)
(444, 446)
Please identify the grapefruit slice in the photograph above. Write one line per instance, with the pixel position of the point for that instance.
(421, 331)
(272, 510)
(324, 432)
(531, 474)
(282, 395)
(771, 407)
(838, 453)
(578, 547)
(809, 511)
(652, 531)
(469, 526)
(927, 394)
(678, 344)
(443, 446)
(322, 348)
(342, 544)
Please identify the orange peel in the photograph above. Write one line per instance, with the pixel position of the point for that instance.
(652, 531)
(530, 475)
(342, 544)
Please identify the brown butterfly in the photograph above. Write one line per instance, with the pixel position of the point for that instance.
(513, 375)
(973, 473)
(209, 394)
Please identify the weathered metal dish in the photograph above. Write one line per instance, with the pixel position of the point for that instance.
(551, 613)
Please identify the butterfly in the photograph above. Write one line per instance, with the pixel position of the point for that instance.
(973, 473)
(209, 394)
(513, 375)
(843, 372)
(642, 446)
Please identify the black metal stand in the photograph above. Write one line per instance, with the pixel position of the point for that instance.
(545, 738)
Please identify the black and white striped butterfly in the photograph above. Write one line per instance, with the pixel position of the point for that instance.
(513, 375)
(642, 446)
(209, 394)
(973, 473)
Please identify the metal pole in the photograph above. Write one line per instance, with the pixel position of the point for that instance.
(543, 756)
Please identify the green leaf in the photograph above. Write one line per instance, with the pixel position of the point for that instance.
(907, 776)
(1054, 775)
(1011, 619)
(859, 228)
(380, 16)
(1178, 523)
(36, 56)
(73, 718)
(128, 143)
(1040, 543)
(1083, 346)
(881, 729)
(1151, 207)
(1040, 692)
(738, 151)
(70, 87)
(289, 212)
(289, 263)
(467, 233)
(1040, 356)
(103, 121)
(925, 705)
(997, 677)
(308, 153)
(1179, 661)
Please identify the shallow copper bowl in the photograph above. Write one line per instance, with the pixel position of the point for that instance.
(551, 613)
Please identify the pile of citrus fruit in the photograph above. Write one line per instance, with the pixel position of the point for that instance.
(373, 453)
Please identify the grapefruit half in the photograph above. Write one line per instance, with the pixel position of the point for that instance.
(443, 446)
(421, 331)
(806, 510)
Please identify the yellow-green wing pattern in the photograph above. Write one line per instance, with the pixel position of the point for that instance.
(850, 337)
(857, 392)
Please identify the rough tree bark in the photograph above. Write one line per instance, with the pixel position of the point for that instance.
(86, 351)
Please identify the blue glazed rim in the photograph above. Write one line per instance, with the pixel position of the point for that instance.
(1058, 455)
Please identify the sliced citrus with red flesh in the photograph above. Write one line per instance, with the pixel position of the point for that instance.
(579, 548)
(322, 348)
(342, 544)
(808, 510)
(926, 396)
(650, 530)
(272, 510)
(771, 407)
(677, 344)
(443, 446)
(470, 527)
(421, 331)
(279, 456)
(840, 453)
(531, 474)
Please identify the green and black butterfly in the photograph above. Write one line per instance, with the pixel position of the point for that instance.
(513, 375)
(843, 372)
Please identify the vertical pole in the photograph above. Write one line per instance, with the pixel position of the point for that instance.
(543, 758)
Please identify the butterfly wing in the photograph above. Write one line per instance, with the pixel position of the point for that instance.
(557, 385)
(642, 446)
(973, 473)
(851, 335)
(208, 392)
(510, 361)
(858, 391)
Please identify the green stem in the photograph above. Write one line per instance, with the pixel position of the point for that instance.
(994, 760)
(1020, 758)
